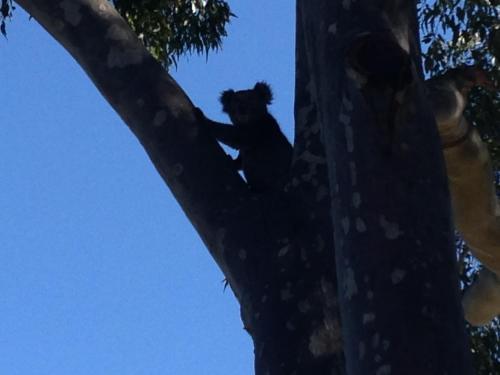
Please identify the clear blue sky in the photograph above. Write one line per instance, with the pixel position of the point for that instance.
(100, 271)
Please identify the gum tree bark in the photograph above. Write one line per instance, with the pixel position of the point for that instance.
(398, 286)
(275, 250)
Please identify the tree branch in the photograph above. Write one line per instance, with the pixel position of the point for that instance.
(195, 168)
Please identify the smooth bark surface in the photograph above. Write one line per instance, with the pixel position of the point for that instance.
(398, 282)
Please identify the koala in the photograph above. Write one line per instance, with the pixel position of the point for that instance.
(264, 152)
(471, 181)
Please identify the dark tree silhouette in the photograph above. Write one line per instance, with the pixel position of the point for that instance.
(366, 203)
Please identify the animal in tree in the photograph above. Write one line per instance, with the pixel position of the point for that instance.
(264, 152)
(476, 209)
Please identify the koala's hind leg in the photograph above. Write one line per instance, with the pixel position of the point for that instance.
(475, 206)
(481, 301)
(477, 217)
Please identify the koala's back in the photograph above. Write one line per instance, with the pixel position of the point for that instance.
(266, 161)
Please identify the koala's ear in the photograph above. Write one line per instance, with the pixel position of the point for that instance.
(264, 92)
(225, 99)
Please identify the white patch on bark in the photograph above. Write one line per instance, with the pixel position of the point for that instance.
(178, 169)
(368, 318)
(362, 350)
(321, 193)
(304, 306)
(346, 4)
(312, 162)
(354, 173)
(358, 79)
(385, 345)
(71, 12)
(159, 118)
(391, 230)
(360, 225)
(121, 58)
(117, 33)
(329, 292)
(219, 239)
(384, 370)
(426, 311)
(242, 254)
(332, 29)
(397, 276)
(119, 55)
(350, 286)
(369, 295)
(347, 103)
(283, 251)
(105, 7)
(324, 341)
(344, 119)
(59, 25)
(346, 225)
(303, 254)
(375, 340)
(309, 157)
(320, 243)
(349, 137)
(356, 199)
(286, 294)
(302, 116)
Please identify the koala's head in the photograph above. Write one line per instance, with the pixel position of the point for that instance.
(246, 105)
(466, 77)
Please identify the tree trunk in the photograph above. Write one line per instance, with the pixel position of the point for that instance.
(398, 284)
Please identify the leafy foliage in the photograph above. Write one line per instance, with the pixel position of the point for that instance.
(457, 32)
(485, 348)
(170, 28)
(484, 113)
(5, 12)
